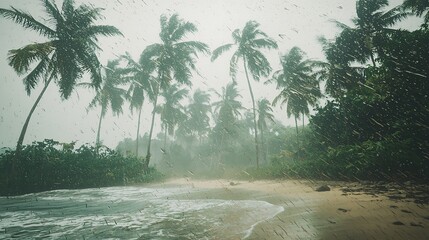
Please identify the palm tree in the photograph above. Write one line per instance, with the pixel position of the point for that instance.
(199, 110)
(173, 58)
(109, 94)
(69, 52)
(371, 23)
(227, 110)
(138, 74)
(265, 112)
(298, 84)
(248, 43)
(172, 111)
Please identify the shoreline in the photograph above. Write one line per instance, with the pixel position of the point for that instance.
(347, 211)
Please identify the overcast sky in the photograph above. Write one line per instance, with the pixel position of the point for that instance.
(289, 22)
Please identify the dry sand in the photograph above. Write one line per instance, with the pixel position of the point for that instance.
(308, 214)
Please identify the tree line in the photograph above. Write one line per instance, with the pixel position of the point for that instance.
(374, 75)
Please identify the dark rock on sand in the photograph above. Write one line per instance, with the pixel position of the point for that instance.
(343, 210)
(323, 188)
(398, 223)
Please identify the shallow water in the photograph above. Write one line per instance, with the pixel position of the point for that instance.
(129, 213)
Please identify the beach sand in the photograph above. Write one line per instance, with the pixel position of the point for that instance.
(347, 211)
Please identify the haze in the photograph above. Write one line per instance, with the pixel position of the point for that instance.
(290, 23)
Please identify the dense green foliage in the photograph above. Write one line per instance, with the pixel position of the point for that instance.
(51, 165)
(375, 124)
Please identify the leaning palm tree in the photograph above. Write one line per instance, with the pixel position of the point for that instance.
(174, 59)
(298, 84)
(172, 111)
(68, 52)
(109, 95)
(371, 23)
(248, 44)
(265, 112)
(138, 74)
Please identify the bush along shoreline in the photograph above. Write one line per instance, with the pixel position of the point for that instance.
(50, 165)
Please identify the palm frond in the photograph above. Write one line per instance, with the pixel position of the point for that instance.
(258, 65)
(27, 21)
(95, 30)
(236, 36)
(193, 47)
(267, 43)
(393, 16)
(87, 14)
(181, 31)
(52, 9)
(20, 59)
(233, 66)
(31, 80)
(218, 51)
(68, 8)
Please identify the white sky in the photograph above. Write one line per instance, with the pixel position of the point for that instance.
(299, 21)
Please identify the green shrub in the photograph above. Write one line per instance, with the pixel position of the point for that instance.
(49, 165)
(370, 160)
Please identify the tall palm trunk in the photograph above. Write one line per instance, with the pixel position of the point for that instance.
(165, 137)
(24, 128)
(303, 117)
(296, 126)
(15, 174)
(148, 155)
(138, 131)
(97, 141)
(264, 156)
(254, 113)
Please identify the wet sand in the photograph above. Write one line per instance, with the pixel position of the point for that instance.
(347, 211)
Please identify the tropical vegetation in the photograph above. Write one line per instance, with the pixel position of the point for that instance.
(367, 103)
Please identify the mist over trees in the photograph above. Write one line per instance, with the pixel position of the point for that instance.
(372, 126)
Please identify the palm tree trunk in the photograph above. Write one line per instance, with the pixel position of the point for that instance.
(264, 156)
(254, 113)
(97, 141)
(14, 179)
(165, 138)
(148, 155)
(138, 131)
(303, 117)
(24, 128)
(267, 153)
(373, 60)
(296, 126)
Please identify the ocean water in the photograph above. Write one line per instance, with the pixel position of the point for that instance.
(129, 213)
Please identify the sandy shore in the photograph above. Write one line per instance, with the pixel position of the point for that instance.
(347, 211)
